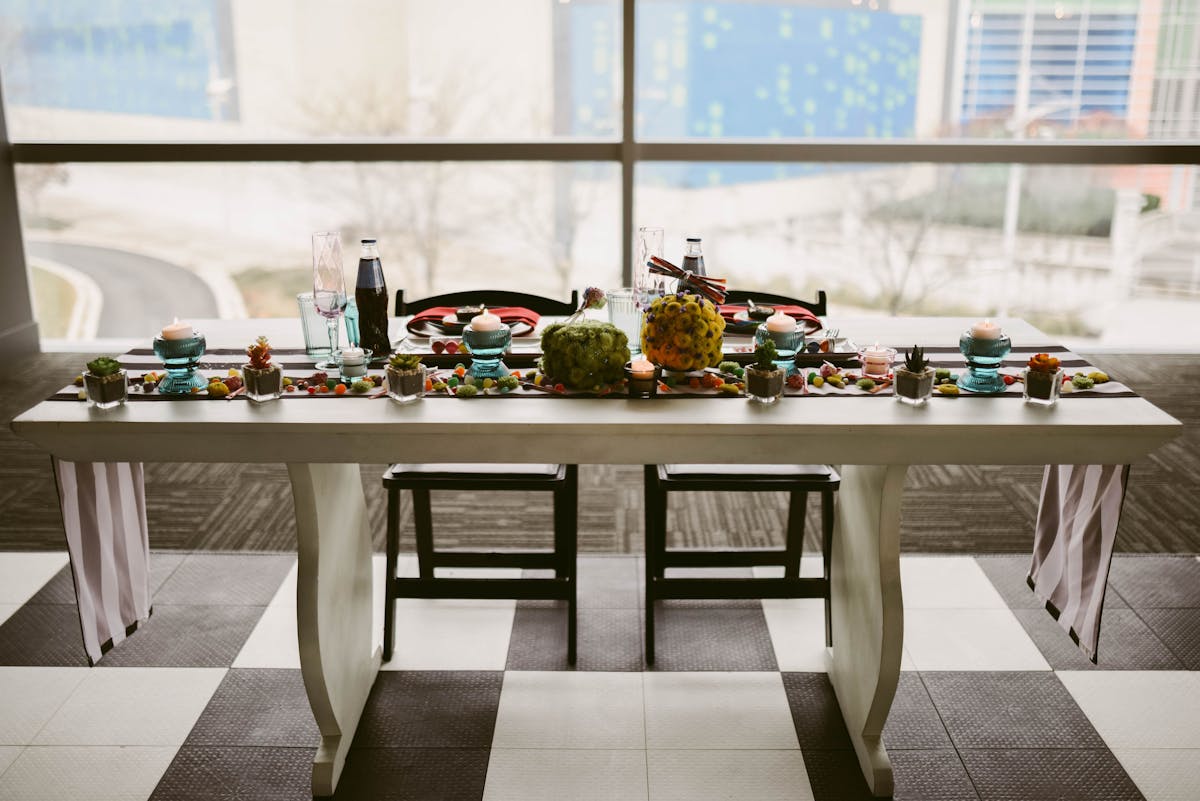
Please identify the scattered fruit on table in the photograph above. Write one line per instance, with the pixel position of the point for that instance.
(330, 383)
(728, 367)
(78, 381)
(439, 386)
(362, 386)
(508, 382)
(340, 389)
(796, 381)
(560, 388)
(452, 348)
(670, 380)
(683, 332)
(311, 390)
(941, 374)
(1098, 377)
(539, 379)
(233, 382)
(1082, 381)
(817, 381)
(1068, 388)
(729, 389)
(694, 382)
(452, 381)
(233, 372)
(835, 380)
(467, 391)
(324, 389)
(289, 388)
(711, 380)
(287, 382)
(217, 389)
(460, 371)
(488, 383)
(948, 389)
(428, 384)
(866, 384)
(1009, 380)
(82, 395)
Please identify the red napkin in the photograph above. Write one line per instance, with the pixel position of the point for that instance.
(803, 315)
(507, 314)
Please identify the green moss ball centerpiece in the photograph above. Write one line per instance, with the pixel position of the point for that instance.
(586, 354)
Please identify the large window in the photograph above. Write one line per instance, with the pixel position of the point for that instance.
(909, 156)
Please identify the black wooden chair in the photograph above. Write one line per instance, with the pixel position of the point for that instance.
(797, 480)
(421, 480)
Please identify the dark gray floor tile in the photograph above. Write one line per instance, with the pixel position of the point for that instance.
(228, 773)
(187, 636)
(609, 583)
(835, 776)
(1179, 629)
(418, 709)
(1126, 643)
(815, 712)
(931, 775)
(1157, 581)
(712, 635)
(608, 639)
(226, 579)
(914, 722)
(414, 774)
(1009, 710)
(61, 588)
(47, 635)
(1089, 774)
(1008, 573)
(259, 707)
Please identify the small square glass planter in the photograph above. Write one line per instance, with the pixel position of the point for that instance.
(913, 388)
(406, 386)
(1042, 388)
(262, 384)
(764, 386)
(106, 391)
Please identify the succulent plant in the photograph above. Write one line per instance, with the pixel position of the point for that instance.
(584, 354)
(260, 354)
(765, 355)
(404, 361)
(103, 366)
(915, 361)
(1043, 363)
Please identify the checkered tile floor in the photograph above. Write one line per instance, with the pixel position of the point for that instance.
(207, 702)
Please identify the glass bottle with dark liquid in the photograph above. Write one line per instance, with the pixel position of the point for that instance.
(693, 259)
(371, 297)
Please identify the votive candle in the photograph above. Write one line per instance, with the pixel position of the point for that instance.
(780, 323)
(642, 368)
(177, 330)
(985, 329)
(485, 322)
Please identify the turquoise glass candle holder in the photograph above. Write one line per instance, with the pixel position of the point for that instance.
(181, 357)
(983, 362)
(486, 349)
(787, 344)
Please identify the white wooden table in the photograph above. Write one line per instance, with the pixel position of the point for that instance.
(322, 441)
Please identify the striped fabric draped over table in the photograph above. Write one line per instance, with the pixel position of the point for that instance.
(104, 515)
(1073, 544)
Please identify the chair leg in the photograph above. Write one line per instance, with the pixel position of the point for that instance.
(794, 546)
(423, 522)
(393, 555)
(652, 498)
(826, 557)
(570, 545)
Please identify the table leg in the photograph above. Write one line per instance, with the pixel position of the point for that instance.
(868, 611)
(333, 608)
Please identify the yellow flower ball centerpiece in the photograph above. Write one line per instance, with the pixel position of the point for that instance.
(683, 332)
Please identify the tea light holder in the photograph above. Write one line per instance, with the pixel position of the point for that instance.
(181, 357)
(984, 355)
(352, 366)
(787, 344)
(642, 383)
(486, 349)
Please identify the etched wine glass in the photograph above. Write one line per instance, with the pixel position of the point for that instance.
(329, 288)
(646, 284)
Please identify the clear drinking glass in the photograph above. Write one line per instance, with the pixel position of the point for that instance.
(624, 311)
(645, 283)
(316, 340)
(329, 288)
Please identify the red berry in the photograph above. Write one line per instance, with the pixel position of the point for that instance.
(438, 346)
(312, 390)
(559, 388)
(452, 348)
(1009, 380)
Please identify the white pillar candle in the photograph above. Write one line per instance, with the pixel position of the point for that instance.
(985, 329)
(177, 330)
(781, 323)
(485, 322)
(642, 368)
(353, 356)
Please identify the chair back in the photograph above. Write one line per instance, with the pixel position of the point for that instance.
(766, 298)
(488, 297)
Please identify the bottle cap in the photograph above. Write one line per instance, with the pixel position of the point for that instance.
(693, 239)
(368, 241)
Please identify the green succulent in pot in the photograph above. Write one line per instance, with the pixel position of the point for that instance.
(405, 377)
(914, 381)
(105, 383)
(764, 378)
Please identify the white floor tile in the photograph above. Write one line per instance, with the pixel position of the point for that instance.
(23, 573)
(723, 775)
(82, 773)
(582, 775)
(29, 697)
(969, 639)
(946, 582)
(810, 567)
(797, 627)
(8, 755)
(1163, 774)
(717, 710)
(132, 706)
(273, 643)
(561, 709)
(407, 565)
(1139, 709)
(452, 635)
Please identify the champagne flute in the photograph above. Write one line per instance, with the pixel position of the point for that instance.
(329, 288)
(646, 284)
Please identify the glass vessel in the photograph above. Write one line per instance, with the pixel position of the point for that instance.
(351, 369)
(329, 288)
(645, 283)
(914, 389)
(181, 357)
(106, 391)
(406, 386)
(312, 324)
(693, 259)
(371, 299)
(787, 345)
(764, 386)
(983, 362)
(642, 386)
(1042, 388)
(625, 313)
(486, 349)
(265, 384)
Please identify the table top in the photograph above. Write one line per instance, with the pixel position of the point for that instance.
(851, 430)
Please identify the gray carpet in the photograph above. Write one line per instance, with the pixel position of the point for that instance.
(953, 509)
